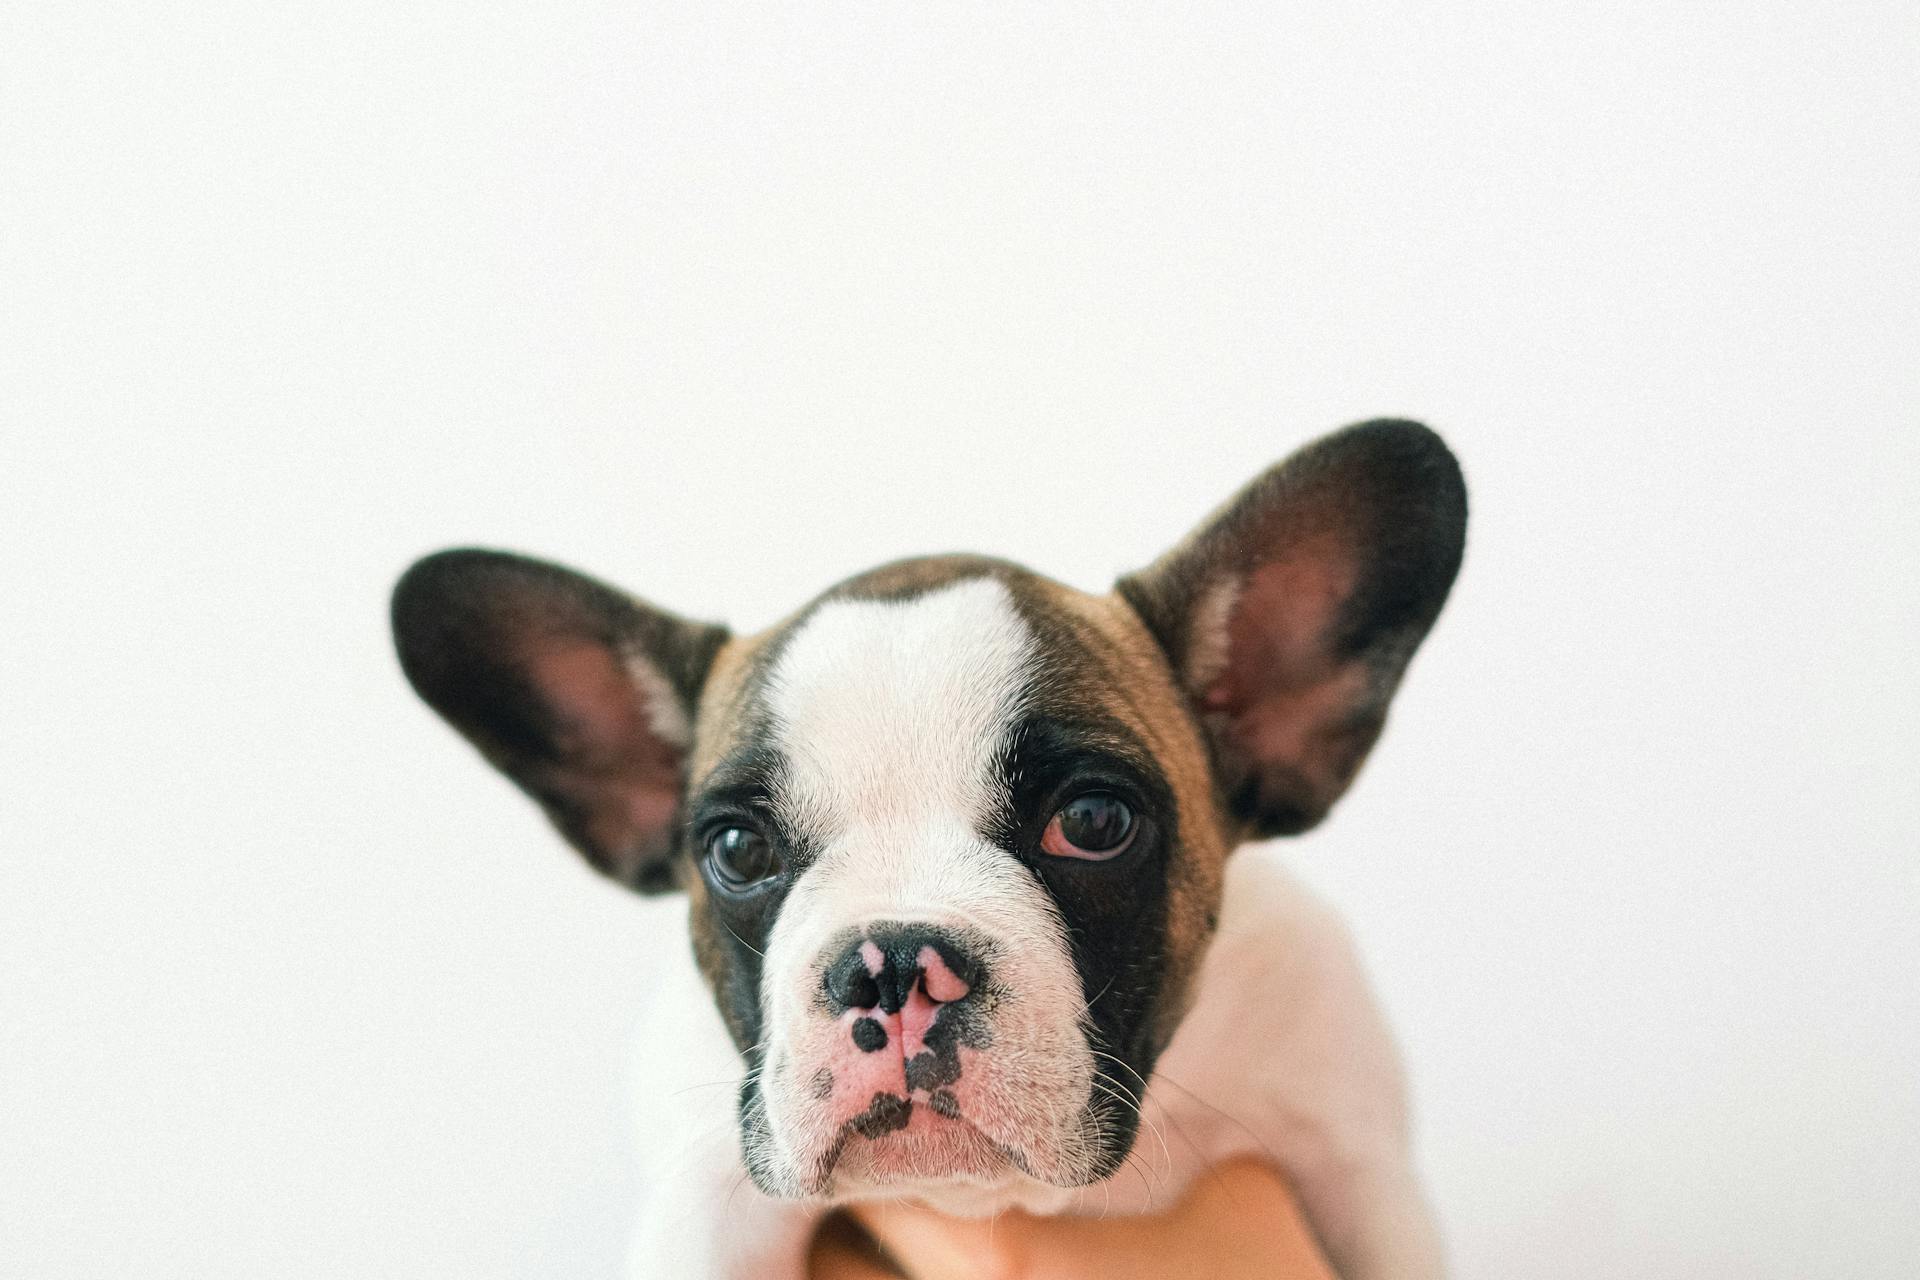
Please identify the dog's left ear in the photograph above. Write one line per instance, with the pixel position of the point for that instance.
(582, 695)
(1290, 616)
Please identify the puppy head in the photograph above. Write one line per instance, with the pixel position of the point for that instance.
(953, 833)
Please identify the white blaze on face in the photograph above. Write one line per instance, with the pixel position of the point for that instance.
(892, 717)
(895, 711)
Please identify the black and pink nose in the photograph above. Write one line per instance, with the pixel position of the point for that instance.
(887, 967)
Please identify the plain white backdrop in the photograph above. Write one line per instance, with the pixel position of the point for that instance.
(724, 305)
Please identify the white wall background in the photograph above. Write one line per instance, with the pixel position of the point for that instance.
(726, 305)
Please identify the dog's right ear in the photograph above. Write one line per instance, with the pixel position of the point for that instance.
(1290, 616)
(583, 696)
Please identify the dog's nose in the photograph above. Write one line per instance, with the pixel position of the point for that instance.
(881, 969)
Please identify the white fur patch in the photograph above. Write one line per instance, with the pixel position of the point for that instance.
(1208, 640)
(895, 711)
(660, 703)
(892, 716)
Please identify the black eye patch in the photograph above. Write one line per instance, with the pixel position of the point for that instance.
(1115, 912)
(747, 779)
(1049, 759)
(740, 794)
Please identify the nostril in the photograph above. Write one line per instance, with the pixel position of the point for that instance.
(850, 985)
(943, 983)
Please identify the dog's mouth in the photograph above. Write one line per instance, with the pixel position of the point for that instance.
(919, 1137)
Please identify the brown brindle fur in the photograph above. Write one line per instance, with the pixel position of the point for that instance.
(716, 731)
(1152, 706)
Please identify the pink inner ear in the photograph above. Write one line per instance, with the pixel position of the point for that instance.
(1282, 687)
(1280, 631)
(597, 707)
(623, 776)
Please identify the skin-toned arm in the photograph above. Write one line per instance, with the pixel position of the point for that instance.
(1239, 1222)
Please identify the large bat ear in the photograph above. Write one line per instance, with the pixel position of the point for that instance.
(580, 694)
(1292, 613)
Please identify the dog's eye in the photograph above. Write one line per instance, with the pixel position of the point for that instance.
(740, 856)
(1095, 826)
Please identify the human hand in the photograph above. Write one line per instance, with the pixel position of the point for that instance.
(1237, 1222)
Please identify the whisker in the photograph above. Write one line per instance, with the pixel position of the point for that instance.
(1140, 1107)
(710, 1084)
(1143, 1171)
(1234, 1120)
(739, 1184)
(1113, 1089)
(1088, 1006)
(1106, 1085)
(1123, 1066)
(743, 942)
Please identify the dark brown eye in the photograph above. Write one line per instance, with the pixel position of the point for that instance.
(1095, 826)
(740, 857)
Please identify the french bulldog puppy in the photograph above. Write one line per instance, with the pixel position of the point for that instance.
(954, 842)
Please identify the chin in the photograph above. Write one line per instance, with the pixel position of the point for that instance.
(944, 1163)
(929, 1150)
